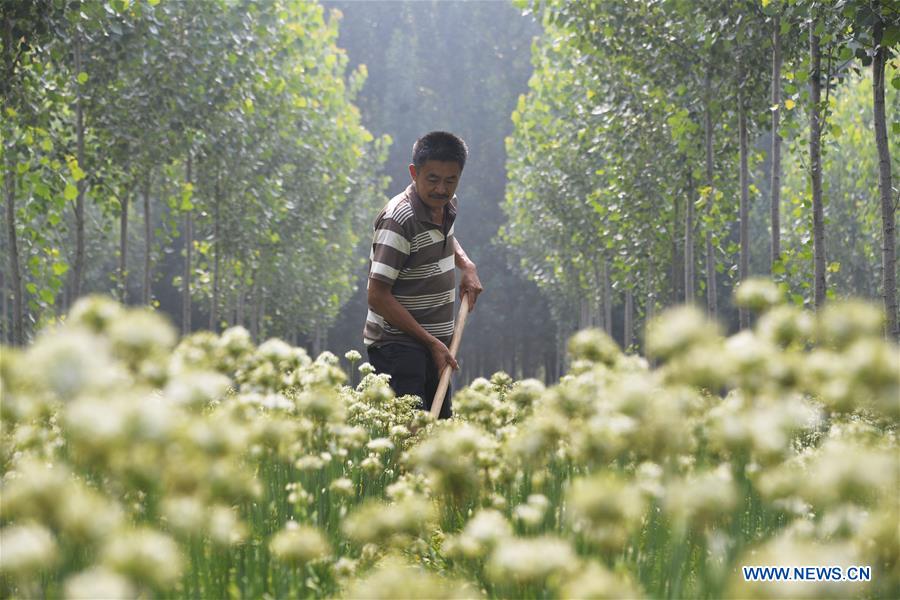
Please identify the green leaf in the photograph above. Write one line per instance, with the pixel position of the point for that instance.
(43, 190)
(187, 191)
(47, 296)
(32, 288)
(895, 82)
(82, 78)
(891, 36)
(71, 192)
(60, 268)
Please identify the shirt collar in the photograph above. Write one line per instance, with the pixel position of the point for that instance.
(423, 213)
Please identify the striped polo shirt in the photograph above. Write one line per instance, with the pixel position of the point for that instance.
(415, 256)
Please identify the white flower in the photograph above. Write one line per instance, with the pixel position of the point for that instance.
(375, 522)
(145, 556)
(185, 514)
(27, 549)
(275, 350)
(607, 508)
(702, 498)
(531, 561)
(225, 528)
(70, 362)
(342, 487)
(597, 582)
(97, 583)
(758, 294)
(678, 330)
(140, 333)
(197, 388)
(380, 445)
(595, 346)
(327, 358)
(394, 579)
(344, 567)
(299, 545)
(366, 369)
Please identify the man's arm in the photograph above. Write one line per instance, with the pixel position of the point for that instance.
(383, 302)
(469, 285)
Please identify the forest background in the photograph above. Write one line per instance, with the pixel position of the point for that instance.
(224, 160)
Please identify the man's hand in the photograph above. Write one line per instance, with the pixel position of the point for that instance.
(441, 356)
(470, 285)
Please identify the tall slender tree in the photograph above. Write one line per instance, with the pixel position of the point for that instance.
(888, 204)
(815, 161)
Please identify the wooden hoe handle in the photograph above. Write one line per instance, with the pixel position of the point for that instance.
(438, 401)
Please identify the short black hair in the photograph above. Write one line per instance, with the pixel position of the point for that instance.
(442, 146)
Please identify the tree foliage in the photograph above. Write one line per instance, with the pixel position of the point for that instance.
(633, 155)
(234, 124)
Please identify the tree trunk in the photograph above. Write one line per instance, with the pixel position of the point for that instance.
(628, 327)
(650, 309)
(775, 205)
(317, 341)
(217, 249)
(548, 366)
(677, 261)
(188, 247)
(712, 304)
(232, 307)
(254, 312)
(689, 242)
(18, 316)
(262, 315)
(561, 352)
(815, 165)
(78, 268)
(239, 309)
(4, 306)
(607, 298)
(888, 226)
(743, 314)
(123, 247)
(145, 289)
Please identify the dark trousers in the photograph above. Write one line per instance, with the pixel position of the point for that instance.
(412, 371)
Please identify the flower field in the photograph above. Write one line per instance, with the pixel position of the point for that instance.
(135, 464)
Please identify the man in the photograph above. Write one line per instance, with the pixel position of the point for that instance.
(412, 282)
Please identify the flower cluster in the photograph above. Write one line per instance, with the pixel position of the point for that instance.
(213, 467)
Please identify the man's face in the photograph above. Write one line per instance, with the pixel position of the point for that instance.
(436, 181)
